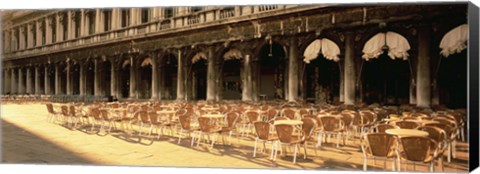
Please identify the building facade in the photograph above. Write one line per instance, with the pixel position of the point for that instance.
(386, 54)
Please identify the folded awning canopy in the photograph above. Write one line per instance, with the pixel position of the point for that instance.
(455, 41)
(328, 48)
(396, 44)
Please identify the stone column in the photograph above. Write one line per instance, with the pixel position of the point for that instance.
(423, 68)
(38, 90)
(83, 82)
(39, 33)
(57, 80)
(48, 30)
(349, 69)
(70, 34)
(342, 82)
(82, 22)
(133, 78)
(211, 75)
(29, 81)
(59, 34)
(113, 80)
(154, 77)
(7, 81)
(47, 81)
(247, 85)
(21, 85)
(293, 70)
(69, 79)
(97, 80)
(180, 77)
(13, 80)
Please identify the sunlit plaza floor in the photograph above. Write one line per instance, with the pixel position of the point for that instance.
(28, 138)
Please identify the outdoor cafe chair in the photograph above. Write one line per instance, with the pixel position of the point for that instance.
(379, 146)
(186, 127)
(262, 129)
(330, 126)
(286, 136)
(406, 124)
(231, 119)
(416, 149)
(209, 128)
(52, 114)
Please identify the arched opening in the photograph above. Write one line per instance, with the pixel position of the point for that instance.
(23, 82)
(106, 70)
(272, 71)
(452, 68)
(75, 76)
(145, 79)
(198, 76)
(31, 76)
(385, 70)
(63, 79)
(231, 79)
(322, 71)
(41, 79)
(89, 78)
(51, 78)
(169, 77)
(124, 80)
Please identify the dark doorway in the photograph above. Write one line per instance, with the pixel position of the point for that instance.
(452, 80)
(323, 80)
(385, 81)
(272, 71)
(124, 80)
(232, 83)
(199, 79)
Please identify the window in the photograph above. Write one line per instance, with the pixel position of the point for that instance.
(91, 23)
(44, 33)
(54, 30)
(145, 15)
(78, 25)
(34, 34)
(17, 36)
(107, 16)
(125, 17)
(65, 26)
(168, 12)
(195, 9)
(25, 36)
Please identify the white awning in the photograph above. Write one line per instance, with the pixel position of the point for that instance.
(199, 56)
(454, 41)
(232, 54)
(329, 49)
(146, 62)
(396, 43)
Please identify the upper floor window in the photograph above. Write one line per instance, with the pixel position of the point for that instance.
(145, 15)
(168, 12)
(17, 36)
(25, 36)
(107, 16)
(78, 25)
(65, 26)
(54, 30)
(44, 31)
(91, 23)
(195, 9)
(34, 34)
(125, 17)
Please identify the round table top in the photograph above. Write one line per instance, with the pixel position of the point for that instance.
(406, 132)
(425, 121)
(213, 115)
(288, 122)
(166, 112)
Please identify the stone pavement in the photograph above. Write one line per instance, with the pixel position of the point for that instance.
(28, 138)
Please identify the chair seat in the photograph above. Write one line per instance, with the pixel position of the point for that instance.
(271, 138)
(295, 140)
(427, 160)
(226, 129)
